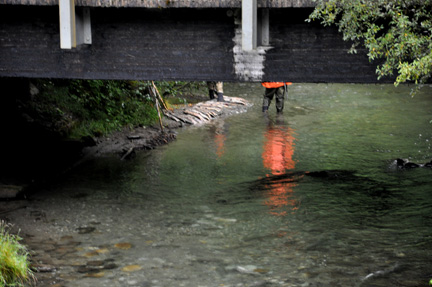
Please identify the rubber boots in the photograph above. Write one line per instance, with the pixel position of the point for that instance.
(211, 94)
(220, 97)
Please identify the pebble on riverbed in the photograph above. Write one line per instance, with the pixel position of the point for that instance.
(131, 268)
(123, 245)
(85, 230)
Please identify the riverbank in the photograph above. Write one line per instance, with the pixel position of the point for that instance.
(45, 160)
(59, 254)
(124, 143)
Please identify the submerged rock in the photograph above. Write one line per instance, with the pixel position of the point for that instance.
(85, 229)
(40, 267)
(406, 164)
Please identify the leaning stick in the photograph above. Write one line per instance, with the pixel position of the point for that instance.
(157, 108)
(159, 96)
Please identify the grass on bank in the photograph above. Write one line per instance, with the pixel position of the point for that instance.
(79, 108)
(14, 259)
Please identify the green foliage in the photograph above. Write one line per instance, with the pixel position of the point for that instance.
(77, 108)
(14, 264)
(110, 105)
(180, 88)
(397, 32)
(175, 92)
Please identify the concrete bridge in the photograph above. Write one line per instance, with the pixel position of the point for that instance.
(225, 40)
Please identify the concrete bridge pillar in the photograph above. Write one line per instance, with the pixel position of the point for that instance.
(249, 25)
(263, 37)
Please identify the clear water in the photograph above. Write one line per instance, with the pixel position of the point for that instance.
(244, 201)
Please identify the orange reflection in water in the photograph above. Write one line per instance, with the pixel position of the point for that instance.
(220, 144)
(219, 131)
(278, 158)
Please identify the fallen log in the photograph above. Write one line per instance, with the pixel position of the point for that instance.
(171, 116)
(195, 114)
(201, 114)
(189, 120)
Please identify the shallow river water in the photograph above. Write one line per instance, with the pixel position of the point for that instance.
(306, 198)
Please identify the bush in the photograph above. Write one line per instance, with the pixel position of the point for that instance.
(78, 108)
(397, 33)
(14, 264)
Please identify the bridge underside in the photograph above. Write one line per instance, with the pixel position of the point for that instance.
(168, 3)
(176, 44)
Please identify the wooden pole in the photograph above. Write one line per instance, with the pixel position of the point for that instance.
(159, 96)
(157, 107)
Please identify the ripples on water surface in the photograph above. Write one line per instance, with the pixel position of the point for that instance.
(302, 199)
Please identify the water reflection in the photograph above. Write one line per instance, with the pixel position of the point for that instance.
(195, 219)
(278, 151)
(219, 131)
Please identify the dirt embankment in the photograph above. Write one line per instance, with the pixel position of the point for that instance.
(126, 142)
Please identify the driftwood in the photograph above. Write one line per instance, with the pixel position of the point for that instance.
(171, 116)
(203, 114)
(152, 89)
(159, 114)
(195, 114)
(159, 96)
(190, 120)
(133, 137)
(206, 111)
(128, 153)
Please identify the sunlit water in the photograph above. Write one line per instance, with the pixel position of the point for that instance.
(306, 198)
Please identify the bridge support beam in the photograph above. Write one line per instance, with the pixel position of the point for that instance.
(67, 24)
(263, 37)
(75, 26)
(83, 26)
(249, 25)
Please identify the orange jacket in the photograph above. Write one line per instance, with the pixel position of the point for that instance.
(272, 85)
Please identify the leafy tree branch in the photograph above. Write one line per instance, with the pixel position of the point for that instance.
(395, 32)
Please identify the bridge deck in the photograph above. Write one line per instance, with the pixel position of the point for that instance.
(181, 44)
(169, 3)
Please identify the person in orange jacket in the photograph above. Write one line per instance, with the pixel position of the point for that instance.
(274, 88)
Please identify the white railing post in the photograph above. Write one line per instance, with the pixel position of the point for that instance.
(75, 25)
(67, 24)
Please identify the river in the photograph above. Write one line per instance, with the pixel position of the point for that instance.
(306, 198)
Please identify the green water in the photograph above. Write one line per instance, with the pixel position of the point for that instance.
(307, 198)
